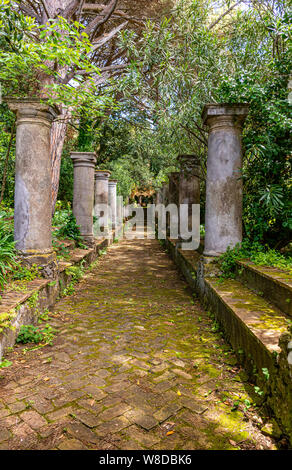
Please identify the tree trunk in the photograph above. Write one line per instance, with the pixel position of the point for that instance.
(58, 134)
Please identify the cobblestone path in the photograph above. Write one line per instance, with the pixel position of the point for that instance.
(136, 364)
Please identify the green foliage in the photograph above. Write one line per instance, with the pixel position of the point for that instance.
(5, 320)
(188, 61)
(29, 334)
(70, 229)
(76, 272)
(257, 253)
(33, 334)
(60, 215)
(266, 373)
(24, 273)
(7, 253)
(5, 363)
(33, 299)
(32, 51)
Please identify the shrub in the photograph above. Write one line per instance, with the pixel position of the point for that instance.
(70, 229)
(7, 252)
(33, 334)
(257, 253)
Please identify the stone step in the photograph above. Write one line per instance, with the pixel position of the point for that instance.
(274, 284)
(251, 323)
(257, 330)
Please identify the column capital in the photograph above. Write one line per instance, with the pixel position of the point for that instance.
(29, 110)
(112, 182)
(102, 174)
(85, 159)
(220, 116)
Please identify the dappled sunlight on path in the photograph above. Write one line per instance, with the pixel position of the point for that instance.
(136, 364)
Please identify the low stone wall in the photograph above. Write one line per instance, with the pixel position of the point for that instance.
(274, 285)
(24, 308)
(252, 353)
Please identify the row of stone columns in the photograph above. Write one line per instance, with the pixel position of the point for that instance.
(93, 190)
(33, 195)
(223, 212)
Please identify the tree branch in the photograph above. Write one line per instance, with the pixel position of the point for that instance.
(106, 37)
(105, 15)
(223, 14)
(43, 2)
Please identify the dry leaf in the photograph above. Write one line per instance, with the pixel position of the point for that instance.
(169, 433)
(233, 443)
(179, 393)
(46, 379)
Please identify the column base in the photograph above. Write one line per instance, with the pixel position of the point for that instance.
(212, 254)
(88, 240)
(45, 260)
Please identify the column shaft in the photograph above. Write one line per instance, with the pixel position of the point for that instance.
(112, 200)
(33, 186)
(189, 183)
(101, 198)
(223, 223)
(83, 193)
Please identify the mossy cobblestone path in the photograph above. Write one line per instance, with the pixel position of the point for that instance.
(136, 364)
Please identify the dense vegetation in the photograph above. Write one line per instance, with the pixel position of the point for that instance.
(139, 121)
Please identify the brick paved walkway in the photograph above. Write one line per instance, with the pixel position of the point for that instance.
(136, 364)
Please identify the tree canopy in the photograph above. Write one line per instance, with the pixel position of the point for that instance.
(131, 81)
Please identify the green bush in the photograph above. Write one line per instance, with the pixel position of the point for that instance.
(7, 252)
(24, 273)
(257, 253)
(33, 334)
(70, 229)
(29, 334)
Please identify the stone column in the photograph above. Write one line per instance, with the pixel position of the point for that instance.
(189, 183)
(223, 219)
(33, 186)
(158, 198)
(173, 187)
(165, 194)
(83, 193)
(112, 200)
(101, 197)
(173, 195)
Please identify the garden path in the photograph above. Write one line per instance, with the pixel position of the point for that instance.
(136, 364)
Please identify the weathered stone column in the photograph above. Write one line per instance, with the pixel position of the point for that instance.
(165, 194)
(189, 183)
(223, 220)
(83, 193)
(159, 197)
(101, 197)
(112, 200)
(33, 192)
(173, 198)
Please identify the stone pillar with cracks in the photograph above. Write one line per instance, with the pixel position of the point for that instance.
(223, 219)
(33, 184)
(83, 193)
